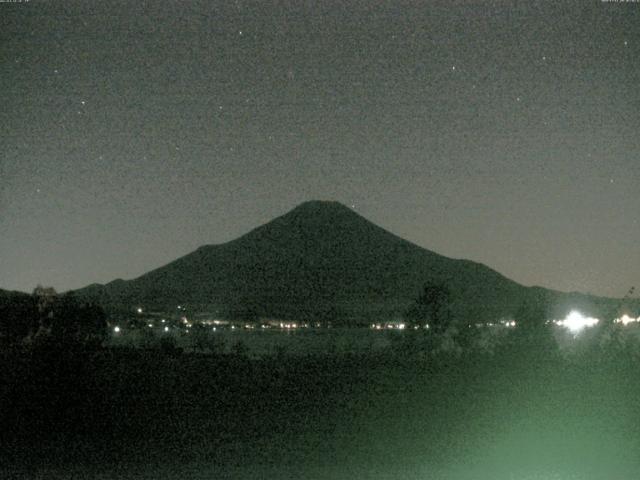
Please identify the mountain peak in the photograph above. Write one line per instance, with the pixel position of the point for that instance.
(316, 206)
(319, 213)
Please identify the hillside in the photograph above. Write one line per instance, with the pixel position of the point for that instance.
(322, 261)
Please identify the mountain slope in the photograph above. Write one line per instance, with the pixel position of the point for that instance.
(8, 295)
(319, 261)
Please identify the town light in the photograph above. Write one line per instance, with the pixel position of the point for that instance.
(116, 329)
(575, 322)
(626, 319)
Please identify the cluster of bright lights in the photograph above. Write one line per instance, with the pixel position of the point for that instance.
(575, 322)
(501, 323)
(391, 326)
(288, 326)
(626, 320)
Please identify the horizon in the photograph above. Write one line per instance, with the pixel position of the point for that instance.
(502, 134)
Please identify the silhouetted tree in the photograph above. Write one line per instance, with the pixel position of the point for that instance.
(431, 308)
(532, 330)
(531, 315)
(72, 322)
(18, 317)
(48, 318)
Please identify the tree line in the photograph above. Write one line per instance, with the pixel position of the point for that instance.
(48, 318)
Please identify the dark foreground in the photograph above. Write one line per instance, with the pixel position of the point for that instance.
(131, 414)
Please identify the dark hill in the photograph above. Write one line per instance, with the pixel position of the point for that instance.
(319, 261)
(11, 295)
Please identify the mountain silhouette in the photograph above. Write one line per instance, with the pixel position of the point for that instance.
(322, 261)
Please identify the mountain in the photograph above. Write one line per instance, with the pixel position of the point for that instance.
(323, 261)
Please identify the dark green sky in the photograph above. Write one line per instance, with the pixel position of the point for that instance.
(506, 133)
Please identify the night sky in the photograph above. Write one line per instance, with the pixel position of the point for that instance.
(134, 132)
